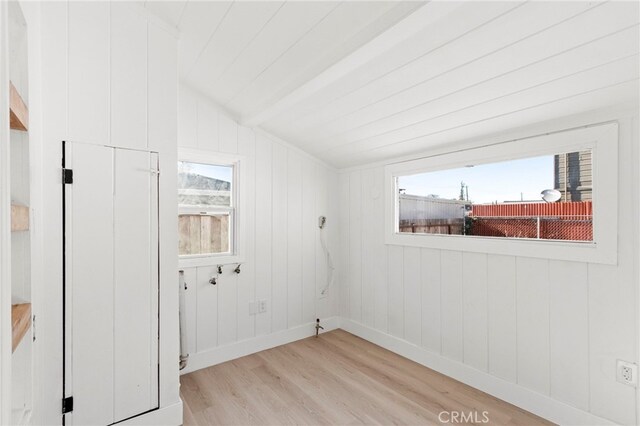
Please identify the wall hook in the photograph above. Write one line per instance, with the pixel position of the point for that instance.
(219, 269)
(213, 280)
(237, 270)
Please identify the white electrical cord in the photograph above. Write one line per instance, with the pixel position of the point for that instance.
(329, 260)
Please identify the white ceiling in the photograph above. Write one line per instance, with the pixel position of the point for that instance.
(355, 82)
(247, 54)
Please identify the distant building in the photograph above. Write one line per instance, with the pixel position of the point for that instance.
(573, 176)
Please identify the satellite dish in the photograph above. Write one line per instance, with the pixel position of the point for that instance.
(551, 195)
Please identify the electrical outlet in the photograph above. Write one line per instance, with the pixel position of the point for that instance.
(627, 373)
(262, 306)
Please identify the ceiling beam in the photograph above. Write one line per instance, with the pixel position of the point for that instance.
(415, 22)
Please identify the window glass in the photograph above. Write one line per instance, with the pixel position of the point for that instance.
(547, 198)
(204, 184)
(206, 209)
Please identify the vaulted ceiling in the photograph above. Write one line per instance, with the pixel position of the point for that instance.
(355, 82)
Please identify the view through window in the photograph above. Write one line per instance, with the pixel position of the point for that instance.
(206, 208)
(547, 198)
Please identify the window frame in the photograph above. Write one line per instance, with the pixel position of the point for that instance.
(601, 139)
(236, 242)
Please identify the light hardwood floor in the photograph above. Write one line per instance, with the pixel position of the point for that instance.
(337, 378)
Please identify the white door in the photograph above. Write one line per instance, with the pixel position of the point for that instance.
(111, 283)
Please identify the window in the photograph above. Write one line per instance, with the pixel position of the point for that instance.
(548, 196)
(207, 202)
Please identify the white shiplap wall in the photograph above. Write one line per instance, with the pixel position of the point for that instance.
(107, 75)
(285, 192)
(553, 327)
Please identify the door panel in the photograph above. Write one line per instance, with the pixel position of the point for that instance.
(112, 284)
(135, 335)
(89, 283)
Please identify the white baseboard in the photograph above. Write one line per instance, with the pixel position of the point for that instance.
(534, 402)
(167, 416)
(235, 350)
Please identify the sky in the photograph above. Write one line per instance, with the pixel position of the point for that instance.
(217, 172)
(488, 183)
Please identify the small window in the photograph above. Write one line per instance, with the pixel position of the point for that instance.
(545, 197)
(206, 208)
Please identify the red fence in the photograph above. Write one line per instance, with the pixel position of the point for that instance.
(578, 208)
(571, 228)
(555, 221)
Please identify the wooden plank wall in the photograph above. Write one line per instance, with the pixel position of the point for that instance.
(108, 77)
(203, 234)
(573, 175)
(283, 194)
(552, 326)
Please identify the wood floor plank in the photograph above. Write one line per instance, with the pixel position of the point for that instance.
(337, 378)
(397, 409)
(465, 397)
(317, 383)
(417, 382)
(293, 396)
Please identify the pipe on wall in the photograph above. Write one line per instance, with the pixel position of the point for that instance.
(184, 355)
(322, 222)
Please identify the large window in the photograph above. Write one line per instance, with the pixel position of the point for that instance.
(545, 197)
(550, 196)
(207, 209)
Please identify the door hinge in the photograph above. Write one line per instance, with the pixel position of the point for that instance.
(67, 175)
(67, 405)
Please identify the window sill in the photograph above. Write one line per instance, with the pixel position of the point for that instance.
(196, 261)
(545, 249)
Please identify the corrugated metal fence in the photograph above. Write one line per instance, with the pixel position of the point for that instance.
(416, 207)
(430, 215)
